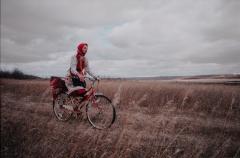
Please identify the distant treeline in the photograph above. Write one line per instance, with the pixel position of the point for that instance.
(16, 74)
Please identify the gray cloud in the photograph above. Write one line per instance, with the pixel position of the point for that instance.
(126, 38)
(221, 52)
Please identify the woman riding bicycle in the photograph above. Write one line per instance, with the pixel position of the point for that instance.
(78, 69)
(99, 108)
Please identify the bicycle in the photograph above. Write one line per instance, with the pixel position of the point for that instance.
(100, 111)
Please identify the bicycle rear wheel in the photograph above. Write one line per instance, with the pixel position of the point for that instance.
(101, 113)
(59, 111)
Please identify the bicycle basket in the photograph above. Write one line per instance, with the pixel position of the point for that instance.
(57, 85)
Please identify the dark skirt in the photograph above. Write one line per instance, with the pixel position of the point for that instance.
(76, 82)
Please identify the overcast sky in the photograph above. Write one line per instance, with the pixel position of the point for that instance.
(126, 37)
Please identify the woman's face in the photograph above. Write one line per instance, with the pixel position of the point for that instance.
(84, 49)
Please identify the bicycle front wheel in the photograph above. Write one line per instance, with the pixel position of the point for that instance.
(101, 113)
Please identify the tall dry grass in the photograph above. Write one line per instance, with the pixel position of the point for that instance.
(213, 99)
(154, 119)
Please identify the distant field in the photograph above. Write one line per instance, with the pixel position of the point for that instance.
(210, 81)
(154, 119)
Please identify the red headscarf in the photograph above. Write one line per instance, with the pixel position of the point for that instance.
(80, 47)
(80, 61)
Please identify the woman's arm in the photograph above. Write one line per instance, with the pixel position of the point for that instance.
(73, 66)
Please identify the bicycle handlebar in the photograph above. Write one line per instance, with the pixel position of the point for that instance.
(90, 78)
(93, 80)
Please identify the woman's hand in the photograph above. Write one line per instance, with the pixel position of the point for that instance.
(81, 77)
(97, 78)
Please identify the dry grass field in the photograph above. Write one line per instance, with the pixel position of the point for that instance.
(157, 119)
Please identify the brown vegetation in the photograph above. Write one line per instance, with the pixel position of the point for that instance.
(154, 119)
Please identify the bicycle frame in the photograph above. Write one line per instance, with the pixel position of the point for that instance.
(89, 96)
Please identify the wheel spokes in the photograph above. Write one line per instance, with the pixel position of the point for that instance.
(60, 112)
